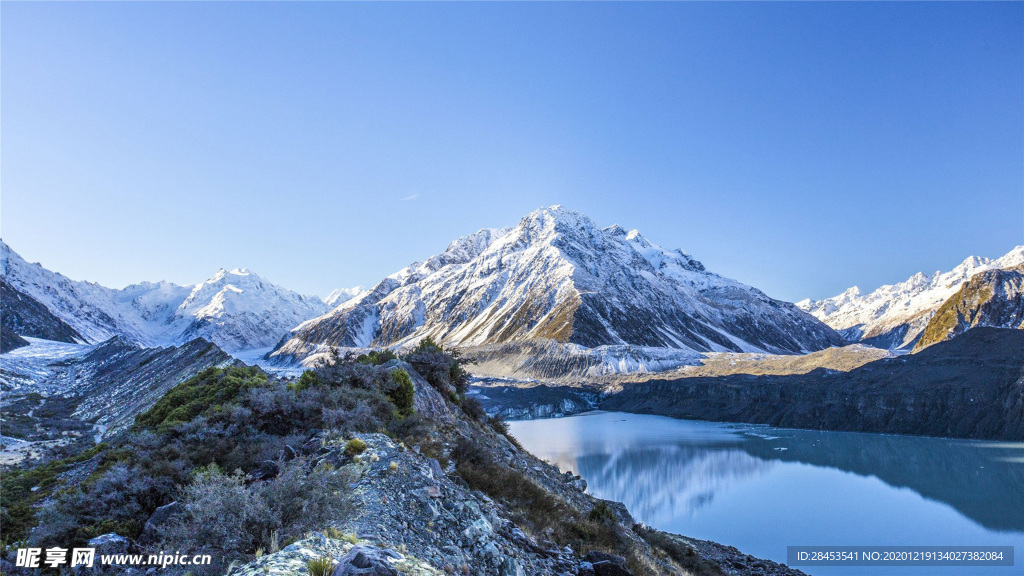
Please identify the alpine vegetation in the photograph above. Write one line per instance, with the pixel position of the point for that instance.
(364, 461)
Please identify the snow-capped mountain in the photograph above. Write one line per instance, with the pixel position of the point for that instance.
(894, 315)
(993, 298)
(557, 276)
(237, 309)
(342, 295)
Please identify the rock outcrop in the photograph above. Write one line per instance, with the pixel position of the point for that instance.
(414, 518)
(350, 559)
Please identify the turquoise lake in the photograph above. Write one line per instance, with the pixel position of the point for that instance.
(762, 489)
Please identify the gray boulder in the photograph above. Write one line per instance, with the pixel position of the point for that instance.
(288, 453)
(158, 518)
(509, 567)
(111, 543)
(363, 560)
(311, 446)
(605, 564)
(267, 470)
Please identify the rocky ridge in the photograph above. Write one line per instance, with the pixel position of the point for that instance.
(91, 391)
(994, 298)
(894, 315)
(423, 520)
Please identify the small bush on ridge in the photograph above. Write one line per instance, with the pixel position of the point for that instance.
(404, 392)
(355, 446)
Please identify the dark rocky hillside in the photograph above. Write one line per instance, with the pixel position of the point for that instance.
(26, 316)
(119, 380)
(968, 387)
(9, 340)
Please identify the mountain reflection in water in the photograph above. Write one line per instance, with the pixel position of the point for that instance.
(762, 489)
(688, 477)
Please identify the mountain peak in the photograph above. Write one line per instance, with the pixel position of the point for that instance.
(557, 215)
(342, 295)
(223, 274)
(1014, 257)
(558, 276)
(616, 231)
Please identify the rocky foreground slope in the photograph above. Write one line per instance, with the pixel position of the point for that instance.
(375, 464)
(969, 387)
(413, 518)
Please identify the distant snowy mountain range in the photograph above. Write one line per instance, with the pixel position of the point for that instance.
(555, 292)
(557, 276)
(237, 309)
(895, 315)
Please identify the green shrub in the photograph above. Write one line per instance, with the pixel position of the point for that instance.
(208, 390)
(376, 357)
(402, 395)
(602, 513)
(499, 425)
(224, 515)
(355, 446)
(428, 345)
(474, 409)
(442, 369)
(309, 379)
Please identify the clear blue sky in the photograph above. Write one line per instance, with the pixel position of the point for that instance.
(798, 147)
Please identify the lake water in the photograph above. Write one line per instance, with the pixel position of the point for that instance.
(762, 489)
